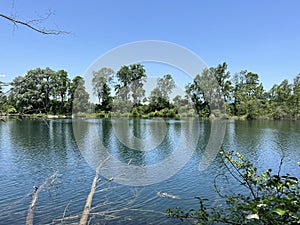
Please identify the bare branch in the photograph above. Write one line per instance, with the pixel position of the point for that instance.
(30, 24)
(4, 83)
(41, 19)
(29, 219)
(87, 207)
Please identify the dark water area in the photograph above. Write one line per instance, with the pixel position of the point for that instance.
(147, 157)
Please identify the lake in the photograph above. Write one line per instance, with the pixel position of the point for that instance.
(147, 165)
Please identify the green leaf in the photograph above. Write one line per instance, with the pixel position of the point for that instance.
(279, 211)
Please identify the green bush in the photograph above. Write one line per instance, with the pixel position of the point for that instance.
(270, 198)
(9, 109)
(101, 114)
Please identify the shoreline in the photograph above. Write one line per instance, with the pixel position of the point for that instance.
(4, 117)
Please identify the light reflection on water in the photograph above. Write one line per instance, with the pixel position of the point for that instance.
(31, 150)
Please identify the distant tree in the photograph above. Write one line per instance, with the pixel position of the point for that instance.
(138, 77)
(5, 105)
(249, 97)
(296, 91)
(222, 76)
(206, 92)
(122, 88)
(284, 91)
(131, 80)
(183, 106)
(197, 96)
(78, 95)
(14, 93)
(282, 100)
(159, 97)
(1, 93)
(60, 83)
(165, 86)
(101, 82)
(31, 93)
(211, 89)
(179, 101)
(2, 98)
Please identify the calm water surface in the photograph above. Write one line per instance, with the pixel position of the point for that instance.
(32, 150)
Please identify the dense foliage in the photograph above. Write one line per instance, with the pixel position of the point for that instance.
(268, 198)
(44, 91)
(213, 92)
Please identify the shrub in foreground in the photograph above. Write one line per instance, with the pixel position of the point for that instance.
(269, 198)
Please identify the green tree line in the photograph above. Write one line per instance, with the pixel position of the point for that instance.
(214, 92)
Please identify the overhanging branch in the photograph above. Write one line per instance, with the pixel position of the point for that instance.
(30, 24)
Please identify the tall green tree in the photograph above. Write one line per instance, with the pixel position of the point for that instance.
(14, 97)
(32, 92)
(197, 96)
(122, 87)
(159, 97)
(79, 98)
(60, 84)
(138, 77)
(131, 81)
(5, 105)
(282, 100)
(165, 85)
(222, 76)
(249, 97)
(210, 90)
(2, 98)
(1, 92)
(296, 91)
(101, 82)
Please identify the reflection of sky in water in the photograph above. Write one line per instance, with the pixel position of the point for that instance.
(163, 149)
(31, 150)
(265, 142)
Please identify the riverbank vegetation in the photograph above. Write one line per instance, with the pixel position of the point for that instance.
(213, 93)
(268, 198)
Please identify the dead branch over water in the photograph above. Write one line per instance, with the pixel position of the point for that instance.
(127, 205)
(87, 207)
(37, 190)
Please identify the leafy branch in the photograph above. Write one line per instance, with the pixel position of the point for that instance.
(268, 199)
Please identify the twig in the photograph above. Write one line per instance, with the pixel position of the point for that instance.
(65, 210)
(29, 25)
(246, 182)
(66, 218)
(230, 171)
(216, 186)
(281, 158)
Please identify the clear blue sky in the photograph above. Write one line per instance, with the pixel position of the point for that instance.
(259, 36)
